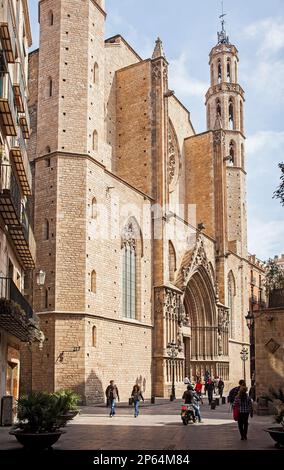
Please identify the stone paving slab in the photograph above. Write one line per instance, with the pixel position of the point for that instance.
(159, 427)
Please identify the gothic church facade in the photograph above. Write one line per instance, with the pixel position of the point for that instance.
(119, 174)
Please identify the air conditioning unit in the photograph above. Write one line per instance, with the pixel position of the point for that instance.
(7, 415)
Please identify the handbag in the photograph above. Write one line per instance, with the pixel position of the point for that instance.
(235, 413)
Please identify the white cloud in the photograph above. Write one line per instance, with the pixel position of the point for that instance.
(116, 24)
(266, 78)
(266, 239)
(269, 32)
(265, 142)
(180, 80)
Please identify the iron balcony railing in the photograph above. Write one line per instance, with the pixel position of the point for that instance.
(20, 157)
(9, 291)
(9, 183)
(7, 104)
(14, 214)
(19, 87)
(7, 31)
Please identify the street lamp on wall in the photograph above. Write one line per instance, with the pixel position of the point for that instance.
(250, 320)
(40, 278)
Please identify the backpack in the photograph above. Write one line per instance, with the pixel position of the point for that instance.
(232, 395)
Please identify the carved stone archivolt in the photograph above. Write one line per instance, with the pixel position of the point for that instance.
(196, 259)
(174, 158)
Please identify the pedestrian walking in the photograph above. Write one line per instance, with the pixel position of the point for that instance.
(234, 391)
(112, 396)
(136, 396)
(198, 387)
(221, 386)
(186, 381)
(197, 400)
(215, 382)
(243, 406)
(210, 388)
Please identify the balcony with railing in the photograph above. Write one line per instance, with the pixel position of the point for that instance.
(7, 31)
(24, 121)
(19, 157)
(15, 311)
(19, 87)
(15, 216)
(7, 105)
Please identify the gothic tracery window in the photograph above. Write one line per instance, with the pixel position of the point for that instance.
(219, 71)
(232, 151)
(231, 114)
(229, 70)
(129, 272)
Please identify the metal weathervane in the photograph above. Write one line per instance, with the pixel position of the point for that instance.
(222, 37)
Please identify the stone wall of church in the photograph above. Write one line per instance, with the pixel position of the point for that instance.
(133, 129)
(118, 55)
(200, 179)
(180, 119)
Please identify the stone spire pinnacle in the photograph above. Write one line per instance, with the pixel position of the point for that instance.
(222, 35)
(159, 50)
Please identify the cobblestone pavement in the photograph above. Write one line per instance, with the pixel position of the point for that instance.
(159, 427)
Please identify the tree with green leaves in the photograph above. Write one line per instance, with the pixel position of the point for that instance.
(274, 277)
(279, 193)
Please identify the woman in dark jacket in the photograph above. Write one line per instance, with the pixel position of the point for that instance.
(243, 403)
(136, 396)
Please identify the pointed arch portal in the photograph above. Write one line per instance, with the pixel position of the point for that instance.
(205, 342)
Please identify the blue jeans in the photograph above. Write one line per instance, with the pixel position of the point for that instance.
(197, 412)
(136, 407)
(112, 407)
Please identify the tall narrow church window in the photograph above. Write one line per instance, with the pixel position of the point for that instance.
(229, 70)
(95, 141)
(172, 262)
(94, 282)
(94, 208)
(243, 155)
(50, 18)
(129, 280)
(96, 73)
(231, 114)
(46, 298)
(219, 71)
(232, 150)
(50, 87)
(132, 251)
(231, 302)
(46, 230)
(236, 72)
(241, 117)
(94, 336)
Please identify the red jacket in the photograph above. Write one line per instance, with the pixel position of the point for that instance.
(198, 387)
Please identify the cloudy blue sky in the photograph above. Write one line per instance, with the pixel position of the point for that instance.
(188, 30)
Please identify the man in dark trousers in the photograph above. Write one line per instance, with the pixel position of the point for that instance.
(210, 389)
(221, 387)
(112, 395)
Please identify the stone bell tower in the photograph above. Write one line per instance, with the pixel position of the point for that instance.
(225, 110)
